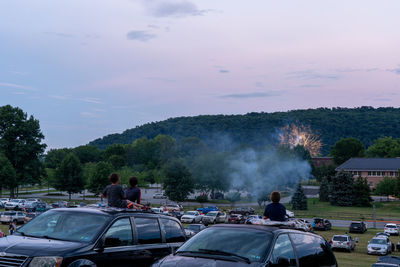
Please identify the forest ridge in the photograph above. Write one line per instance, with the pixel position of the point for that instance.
(257, 129)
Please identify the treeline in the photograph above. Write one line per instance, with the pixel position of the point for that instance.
(182, 166)
(259, 129)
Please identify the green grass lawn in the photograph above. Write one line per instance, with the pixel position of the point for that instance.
(384, 211)
(359, 256)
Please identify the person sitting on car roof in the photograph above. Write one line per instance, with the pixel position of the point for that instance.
(275, 211)
(133, 193)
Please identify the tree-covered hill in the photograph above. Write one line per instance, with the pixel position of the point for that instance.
(364, 123)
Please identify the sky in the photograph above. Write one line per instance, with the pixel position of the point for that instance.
(86, 69)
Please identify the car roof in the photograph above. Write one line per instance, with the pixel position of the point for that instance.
(266, 228)
(391, 224)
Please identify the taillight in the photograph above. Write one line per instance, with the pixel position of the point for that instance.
(331, 242)
(348, 243)
(386, 228)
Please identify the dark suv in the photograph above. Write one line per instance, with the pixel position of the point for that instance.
(251, 245)
(245, 211)
(92, 237)
(357, 227)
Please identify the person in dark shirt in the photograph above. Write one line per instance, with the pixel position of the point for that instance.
(275, 211)
(114, 193)
(133, 193)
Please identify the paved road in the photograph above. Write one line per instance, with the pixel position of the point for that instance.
(346, 223)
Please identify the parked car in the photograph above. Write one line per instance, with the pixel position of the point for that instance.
(379, 245)
(289, 214)
(246, 211)
(214, 217)
(108, 237)
(159, 196)
(1, 205)
(15, 204)
(207, 209)
(59, 204)
(172, 207)
(157, 210)
(191, 217)
(12, 216)
(391, 229)
(382, 234)
(343, 242)
(387, 261)
(251, 245)
(4, 200)
(177, 214)
(236, 218)
(358, 227)
(321, 224)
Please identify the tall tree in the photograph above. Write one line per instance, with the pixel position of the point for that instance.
(386, 187)
(21, 142)
(69, 175)
(98, 179)
(347, 148)
(362, 192)
(299, 199)
(55, 156)
(385, 147)
(178, 181)
(324, 190)
(342, 189)
(7, 174)
(87, 153)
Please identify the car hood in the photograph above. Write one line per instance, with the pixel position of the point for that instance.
(184, 261)
(30, 246)
(376, 246)
(188, 216)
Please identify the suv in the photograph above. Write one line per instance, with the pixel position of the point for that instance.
(321, 224)
(15, 204)
(251, 245)
(357, 227)
(12, 216)
(214, 217)
(343, 242)
(77, 237)
(243, 211)
(391, 229)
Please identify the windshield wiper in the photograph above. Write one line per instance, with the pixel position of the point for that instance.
(49, 237)
(225, 253)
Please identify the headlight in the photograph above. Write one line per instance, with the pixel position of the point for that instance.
(46, 262)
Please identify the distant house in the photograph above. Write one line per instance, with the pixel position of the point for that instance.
(372, 168)
(322, 161)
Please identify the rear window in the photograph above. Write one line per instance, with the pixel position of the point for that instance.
(356, 224)
(339, 238)
(8, 213)
(391, 226)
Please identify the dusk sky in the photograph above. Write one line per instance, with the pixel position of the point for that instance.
(90, 68)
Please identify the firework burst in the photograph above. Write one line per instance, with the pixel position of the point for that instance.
(294, 135)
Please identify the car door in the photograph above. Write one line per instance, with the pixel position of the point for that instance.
(173, 233)
(117, 245)
(283, 253)
(149, 240)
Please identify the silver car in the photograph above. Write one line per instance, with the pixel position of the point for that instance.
(214, 217)
(15, 204)
(343, 242)
(12, 216)
(379, 245)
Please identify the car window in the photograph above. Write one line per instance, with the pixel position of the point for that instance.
(172, 231)
(283, 249)
(312, 250)
(340, 238)
(252, 244)
(148, 230)
(119, 234)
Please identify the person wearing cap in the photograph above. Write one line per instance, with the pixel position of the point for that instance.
(275, 211)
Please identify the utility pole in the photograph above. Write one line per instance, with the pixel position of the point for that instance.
(374, 215)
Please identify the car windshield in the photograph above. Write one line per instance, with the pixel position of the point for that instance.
(379, 241)
(193, 227)
(340, 238)
(212, 213)
(9, 213)
(14, 200)
(248, 243)
(190, 213)
(65, 225)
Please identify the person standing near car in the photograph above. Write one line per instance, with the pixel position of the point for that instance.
(133, 193)
(275, 211)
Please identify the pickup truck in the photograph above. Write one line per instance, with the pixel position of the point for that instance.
(205, 210)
